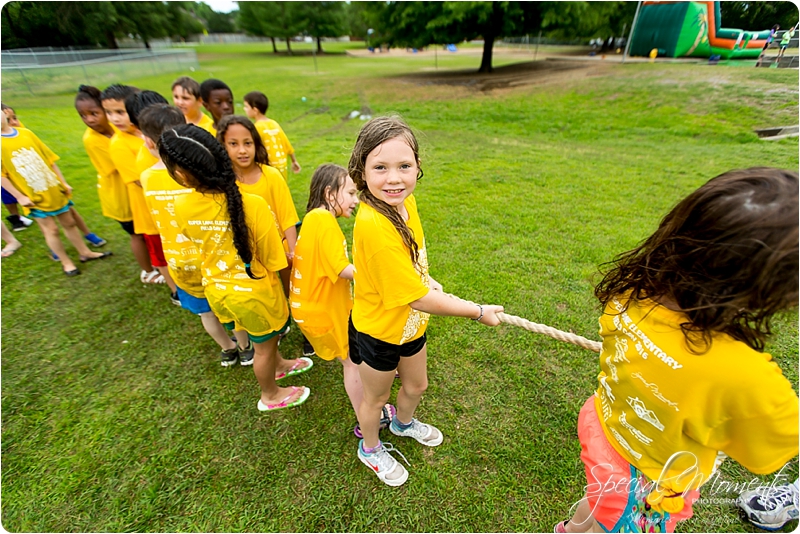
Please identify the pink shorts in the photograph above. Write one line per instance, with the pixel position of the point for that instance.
(153, 243)
(615, 489)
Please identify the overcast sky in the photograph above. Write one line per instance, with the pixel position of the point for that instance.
(222, 6)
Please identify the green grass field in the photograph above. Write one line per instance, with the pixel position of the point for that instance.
(116, 415)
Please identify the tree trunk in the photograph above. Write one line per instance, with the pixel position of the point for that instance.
(146, 43)
(486, 60)
(319, 45)
(288, 46)
(111, 41)
(274, 48)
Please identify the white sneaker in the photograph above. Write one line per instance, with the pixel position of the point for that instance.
(426, 434)
(26, 221)
(389, 470)
(770, 507)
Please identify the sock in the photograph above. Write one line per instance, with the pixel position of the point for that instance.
(372, 450)
(402, 426)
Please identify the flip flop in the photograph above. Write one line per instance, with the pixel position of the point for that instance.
(285, 402)
(73, 272)
(9, 250)
(294, 370)
(102, 256)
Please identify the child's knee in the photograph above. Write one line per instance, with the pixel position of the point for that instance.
(416, 388)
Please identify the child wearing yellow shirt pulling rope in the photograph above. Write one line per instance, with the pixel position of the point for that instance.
(683, 372)
(239, 249)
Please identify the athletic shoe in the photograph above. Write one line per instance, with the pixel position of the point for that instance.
(770, 508)
(387, 414)
(246, 355)
(173, 298)
(389, 470)
(95, 240)
(426, 434)
(26, 221)
(16, 223)
(53, 255)
(228, 358)
(308, 348)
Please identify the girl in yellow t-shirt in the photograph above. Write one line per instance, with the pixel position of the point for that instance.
(30, 174)
(320, 290)
(683, 373)
(240, 251)
(249, 157)
(394, 294)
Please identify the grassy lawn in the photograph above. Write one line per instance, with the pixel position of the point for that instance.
(116, 415)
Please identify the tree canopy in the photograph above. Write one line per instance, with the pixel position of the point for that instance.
(757, 16)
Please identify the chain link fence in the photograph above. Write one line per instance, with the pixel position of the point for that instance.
(46, 72)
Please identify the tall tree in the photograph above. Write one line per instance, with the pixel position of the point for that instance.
(756, 16)
(324, 19)
(282, 20)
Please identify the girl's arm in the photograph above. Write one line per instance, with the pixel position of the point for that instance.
(437, 303)
(295, 166)
(291, 241)
(61, 177)
(347, 272)
(21, 198)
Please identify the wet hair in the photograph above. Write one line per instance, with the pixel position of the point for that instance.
(153, 120)
(372, 134)
(225, 122)
(212, 84)
(117, 91)
(330, 177)
(3, 107)
(189, 84)
(258, 100)
(195, 152)
(89, 93)
(137, 102)
(727, 255)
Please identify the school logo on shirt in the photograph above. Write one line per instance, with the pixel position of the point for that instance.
(34, 170)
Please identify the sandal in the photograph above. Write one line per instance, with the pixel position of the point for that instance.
(73, 272)
(296, 369)
(285, 402)
(387, 413)
(9, 250)
(153, 277)
(102, 256)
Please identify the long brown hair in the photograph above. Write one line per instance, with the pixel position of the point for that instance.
(727, 255)
(225, 122)
(372, 134)
(327, 179)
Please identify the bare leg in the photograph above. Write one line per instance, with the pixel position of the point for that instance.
(377, 386)
(583, 521)
(414, 375)
(264, 369)
(167, 278)
(241, 339)
(217, 331)
(12, 243)
(352, 383)
(282, 365)
(74, 236)
(13, 209)
(79, 222)
(51, 236)
(139, 249)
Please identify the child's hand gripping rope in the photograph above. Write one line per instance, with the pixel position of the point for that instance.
(542, 329)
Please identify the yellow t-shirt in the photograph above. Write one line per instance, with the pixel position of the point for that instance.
(320, 300)
(277, 144)
(656, 398)
(207, 123)
(124, 151)
(160, 191)
(272, 188)
(27, 163)
(385, 280)
(112, 191)
(258, 306)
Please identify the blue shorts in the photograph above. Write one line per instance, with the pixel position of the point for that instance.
(193, 304)
(8, 198)
(39, 214)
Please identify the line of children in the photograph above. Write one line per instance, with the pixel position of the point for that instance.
(683, 372)
(239, 248)
(181, 254)
(278, 146)
(30, 174)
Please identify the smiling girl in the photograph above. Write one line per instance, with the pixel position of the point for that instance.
(394, 294)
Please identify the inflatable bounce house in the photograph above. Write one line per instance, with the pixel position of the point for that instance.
(691, 29)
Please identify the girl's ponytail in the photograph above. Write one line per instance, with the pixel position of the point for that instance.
(195, 152)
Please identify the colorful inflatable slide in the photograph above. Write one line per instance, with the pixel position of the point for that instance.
(691, 29)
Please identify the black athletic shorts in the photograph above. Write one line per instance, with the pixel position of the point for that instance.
(127, 226)
(379, 355)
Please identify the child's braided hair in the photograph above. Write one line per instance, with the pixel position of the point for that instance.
(195, 152)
